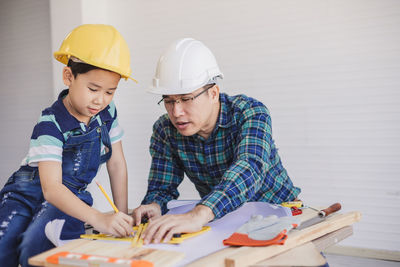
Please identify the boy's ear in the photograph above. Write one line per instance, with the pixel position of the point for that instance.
(67, 76)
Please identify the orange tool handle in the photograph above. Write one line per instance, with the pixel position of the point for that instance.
(329, 210)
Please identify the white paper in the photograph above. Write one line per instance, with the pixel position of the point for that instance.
(221, 229)
(200, 245)
(53, 232)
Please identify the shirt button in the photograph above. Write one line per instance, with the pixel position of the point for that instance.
(98, 130)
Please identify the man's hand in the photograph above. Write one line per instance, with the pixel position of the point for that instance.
(149, 211)
(165, 227)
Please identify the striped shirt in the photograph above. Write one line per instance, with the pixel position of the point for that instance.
(237, 163)
(56, 125)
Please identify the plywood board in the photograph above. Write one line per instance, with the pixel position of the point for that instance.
(245, 256)
(160, 258)
(304, 255)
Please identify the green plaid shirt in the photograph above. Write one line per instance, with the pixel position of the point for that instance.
(237, 163)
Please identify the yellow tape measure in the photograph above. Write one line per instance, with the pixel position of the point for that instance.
(174, 240)
(290, 204)
(178, 240)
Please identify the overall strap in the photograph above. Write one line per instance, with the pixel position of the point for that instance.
(105, 139)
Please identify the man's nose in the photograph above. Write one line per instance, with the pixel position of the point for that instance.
(177, 108)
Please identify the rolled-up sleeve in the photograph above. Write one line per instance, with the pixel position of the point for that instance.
(246, 174)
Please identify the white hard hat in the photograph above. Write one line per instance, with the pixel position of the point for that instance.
(185, 66)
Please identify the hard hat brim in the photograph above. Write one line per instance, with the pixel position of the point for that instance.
(168, 91)
(63, 58)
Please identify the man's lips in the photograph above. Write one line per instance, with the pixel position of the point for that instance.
(181, 125)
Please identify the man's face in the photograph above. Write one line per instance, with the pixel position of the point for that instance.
(89, 93)
(194, 113)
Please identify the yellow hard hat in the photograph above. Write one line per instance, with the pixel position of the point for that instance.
(98, 45)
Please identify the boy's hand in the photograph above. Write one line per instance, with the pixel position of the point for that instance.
(149, 211)
(117, 224)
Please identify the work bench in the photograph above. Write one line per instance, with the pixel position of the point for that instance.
(301, 248)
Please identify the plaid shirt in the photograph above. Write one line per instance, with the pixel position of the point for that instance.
(237, 163)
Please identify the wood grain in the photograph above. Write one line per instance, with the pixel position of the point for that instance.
(160, 258)
(303, 255)
(245, 256)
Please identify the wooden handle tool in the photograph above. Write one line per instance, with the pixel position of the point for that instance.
(329, 210)
(322, 214)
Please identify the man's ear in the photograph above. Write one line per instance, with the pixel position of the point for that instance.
(214, 91)
(67, 76)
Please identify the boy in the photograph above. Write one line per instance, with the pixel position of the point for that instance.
(72, 138)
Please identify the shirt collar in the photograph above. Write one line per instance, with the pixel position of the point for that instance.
(225, 115)
(68, 122)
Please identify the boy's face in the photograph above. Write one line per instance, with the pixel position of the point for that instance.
(90, 92)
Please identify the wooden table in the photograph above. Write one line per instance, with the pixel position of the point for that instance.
(309, 241)
(325, 233)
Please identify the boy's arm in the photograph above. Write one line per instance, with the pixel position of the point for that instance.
(59, 195)
(117, 171)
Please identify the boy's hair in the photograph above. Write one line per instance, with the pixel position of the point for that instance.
(80, 68)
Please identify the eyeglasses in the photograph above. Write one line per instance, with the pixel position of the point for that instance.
(184, 100)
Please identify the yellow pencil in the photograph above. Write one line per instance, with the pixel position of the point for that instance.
(108, 198)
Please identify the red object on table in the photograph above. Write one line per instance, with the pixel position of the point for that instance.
(296, 211)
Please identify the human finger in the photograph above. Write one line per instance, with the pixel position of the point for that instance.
(128, 219)
(118, 230)
(163, 227)
(152, 228)
(122, 224)
(169, 235)
(137, 215)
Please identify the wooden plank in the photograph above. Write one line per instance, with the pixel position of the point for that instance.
(160, 258)
(328, 240)
(256, 254)
(304, 255)
(245, 256)
(218, 258)
(39, 259)
(214, 259)
(389, 255)
(300, 256)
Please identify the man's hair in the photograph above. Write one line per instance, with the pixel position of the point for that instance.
(80, 68)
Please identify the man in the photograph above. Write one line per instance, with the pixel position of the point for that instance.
(222, 143)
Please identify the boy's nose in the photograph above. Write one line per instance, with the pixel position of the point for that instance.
(98, 99)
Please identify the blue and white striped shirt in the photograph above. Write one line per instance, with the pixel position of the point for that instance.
(56, 124)
(237, 163)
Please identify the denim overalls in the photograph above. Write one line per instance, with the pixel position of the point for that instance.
(24, 212)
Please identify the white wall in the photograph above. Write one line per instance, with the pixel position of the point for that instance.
(25, 76)
(64, 16)
(327, 70)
